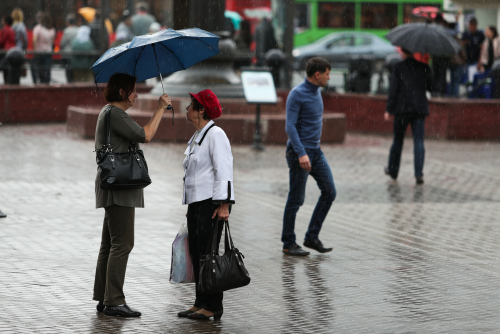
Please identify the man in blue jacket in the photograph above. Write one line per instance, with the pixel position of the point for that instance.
(407, 102)
(304, 120)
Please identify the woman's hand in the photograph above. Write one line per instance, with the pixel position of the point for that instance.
(164, 101)
(387, 116)
(222, 211)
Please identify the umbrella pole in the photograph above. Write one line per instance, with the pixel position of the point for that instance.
(161, 80)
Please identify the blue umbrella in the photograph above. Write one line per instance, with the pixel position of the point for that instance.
(164, 52)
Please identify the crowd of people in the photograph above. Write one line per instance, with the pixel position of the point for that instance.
(479, 52)
(83, 40)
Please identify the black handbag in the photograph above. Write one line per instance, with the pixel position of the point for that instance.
(121, 171)
(222, 273)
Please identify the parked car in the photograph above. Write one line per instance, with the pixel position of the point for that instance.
(339, 48)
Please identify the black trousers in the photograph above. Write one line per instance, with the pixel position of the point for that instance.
(200, 222)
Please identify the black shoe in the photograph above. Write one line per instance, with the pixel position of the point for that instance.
(386, 171)
(420, 180)
(100, 307)
(199, 316)
(317, 245)
(184, 314)
(121, 311)
(295, 250)
(2, 215)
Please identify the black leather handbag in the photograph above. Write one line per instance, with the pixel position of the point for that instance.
(222, 273)
(121, 171)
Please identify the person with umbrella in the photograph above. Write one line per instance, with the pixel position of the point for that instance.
(208, 191)
(119, 205)
(407, 103)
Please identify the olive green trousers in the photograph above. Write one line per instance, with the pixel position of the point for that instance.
(116, 244)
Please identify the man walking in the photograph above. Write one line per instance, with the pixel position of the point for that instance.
(408, 104)
(304, 120)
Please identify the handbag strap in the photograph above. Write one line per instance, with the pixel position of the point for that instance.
(212, 246)
(107, 131)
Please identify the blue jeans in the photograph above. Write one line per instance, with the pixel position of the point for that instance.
(401, 122)
(456, 75)
(321, 172)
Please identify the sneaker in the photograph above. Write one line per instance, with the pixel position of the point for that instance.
(295, 250)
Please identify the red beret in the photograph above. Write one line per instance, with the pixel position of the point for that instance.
(210, 103)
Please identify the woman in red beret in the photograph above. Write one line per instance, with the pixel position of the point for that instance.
(208, 191)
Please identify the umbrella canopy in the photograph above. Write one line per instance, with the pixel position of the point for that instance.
(161, 53)
(88, 13)
(424, 38)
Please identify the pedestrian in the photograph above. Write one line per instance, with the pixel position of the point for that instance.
(99, 32)
(407, 102)
(69, 34)
(43, 41)
(208, 191)
(80, 64)
(264, 40)
(440, 64)
(124, 32)
(142, 20)
(490, 50)
(19, 28)
(472, 40)
(7, 34)
(119, 205)
(243, 38)
(304, 121)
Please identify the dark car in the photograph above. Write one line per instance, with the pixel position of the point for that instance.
(339, 48)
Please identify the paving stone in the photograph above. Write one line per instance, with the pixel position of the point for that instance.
(406, 258)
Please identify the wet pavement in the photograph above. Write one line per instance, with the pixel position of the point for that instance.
(406, 258)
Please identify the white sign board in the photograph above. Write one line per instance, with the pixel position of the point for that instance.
(259, 87)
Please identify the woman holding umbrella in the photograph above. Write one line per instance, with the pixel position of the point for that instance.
(119, 205)
(208, 191)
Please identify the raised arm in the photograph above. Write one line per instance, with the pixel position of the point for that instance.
(150, 128)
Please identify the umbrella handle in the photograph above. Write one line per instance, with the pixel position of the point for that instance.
(161, 80)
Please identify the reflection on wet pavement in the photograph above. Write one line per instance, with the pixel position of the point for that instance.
(406, 258)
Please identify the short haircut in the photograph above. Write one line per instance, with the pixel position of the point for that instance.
(116, 82)
(494, 31)
(17, 15)
(317, 64)
(142, 6)
(473, 21)
(198, 106)
(8, 20)
(46, 21)
(71, 19)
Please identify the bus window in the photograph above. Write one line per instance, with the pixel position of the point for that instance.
(379, 15)
(336, 15)
(302, 17)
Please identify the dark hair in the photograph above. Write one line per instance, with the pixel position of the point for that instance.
(198, 106)
(46, 21)
(116, 82)
(494, 31)
(8, 20)
(71, 19)
(317, 64)
(473, 21)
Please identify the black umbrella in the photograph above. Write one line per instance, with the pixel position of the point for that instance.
(424, 38)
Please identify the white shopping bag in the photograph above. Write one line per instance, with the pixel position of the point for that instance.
(181, 269)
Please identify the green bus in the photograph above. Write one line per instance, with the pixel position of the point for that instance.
(317, 18)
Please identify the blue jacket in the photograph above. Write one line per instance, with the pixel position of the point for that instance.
(304, 117)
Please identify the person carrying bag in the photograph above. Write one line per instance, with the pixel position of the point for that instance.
(208, 192)
(118, 189)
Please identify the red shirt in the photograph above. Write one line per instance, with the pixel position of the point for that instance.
(7, 38)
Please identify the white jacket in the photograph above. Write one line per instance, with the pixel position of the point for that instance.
(208, 167)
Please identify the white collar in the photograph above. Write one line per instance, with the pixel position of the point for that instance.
(201, 135)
